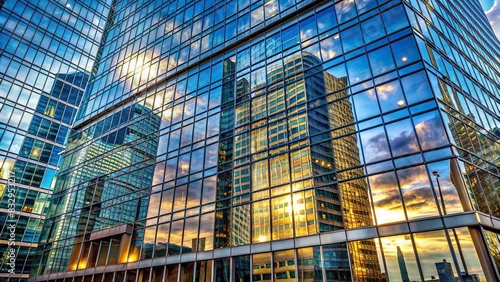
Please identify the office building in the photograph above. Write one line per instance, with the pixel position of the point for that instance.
(282, 141)
(47, 49)
(402, 266)
(445, 271)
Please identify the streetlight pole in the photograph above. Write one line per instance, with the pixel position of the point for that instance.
(436, 174)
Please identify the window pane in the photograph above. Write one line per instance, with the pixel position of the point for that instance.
(430, 130)
(259, 139)
(309, 264)
(405, 51)
(282, 217)
(351, 39)
(402, 138)
(206, 238)
(260, 175)
(242, 268)
(366, 104)
(280, 170)
(261, 222)
(435, 261)
(304, 213)
(345, 11)
(330, 47)
(337, 266)
(373, 29)
(448, 180)
(359, 70)
(390, 96)
(308, 28)
(240, 229)
(416, 87)
(190, 241)
(400, 258)
(417, 194)
(386, 198)
(284, 265)
(326, 19)
(375, 145)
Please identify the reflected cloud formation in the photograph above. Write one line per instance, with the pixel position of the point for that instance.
(417, 194)
(386, 198)
(375, 145)
(430, 130)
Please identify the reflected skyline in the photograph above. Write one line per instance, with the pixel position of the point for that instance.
(285, 140)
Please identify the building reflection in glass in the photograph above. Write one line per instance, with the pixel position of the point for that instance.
(468, 135)
(108, 166)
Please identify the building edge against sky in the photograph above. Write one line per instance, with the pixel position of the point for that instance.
(258, 141)
(47, 50)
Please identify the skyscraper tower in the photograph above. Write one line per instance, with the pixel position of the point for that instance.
(402, 266)
(281, 141)
(47, 49)
(445, 271)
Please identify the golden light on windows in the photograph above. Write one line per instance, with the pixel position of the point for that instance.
(134, 256)
(401, 103)
(35, 153)
(82, 264)
(322, 163)
(385, 91)
(27, 209)
(184, 168)
(139, 68)
(404, 59)
(6, 169)
(50, 110)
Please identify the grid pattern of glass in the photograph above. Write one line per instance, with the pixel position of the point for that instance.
(47, 51)
(282, 141)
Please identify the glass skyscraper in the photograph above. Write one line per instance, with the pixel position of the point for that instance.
(47, 50)
(283, 140)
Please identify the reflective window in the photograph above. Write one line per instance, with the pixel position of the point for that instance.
(375, 146)
(351, 39)
(372, 28)
(261, 221)
(358, 69)
(309, 264)
(430, 130)
(386, 198)
(284, 265)
(418, 196)
(279, 170)
(402, 138)
(436, 261)
(345, 11)
(308, 28)
(260, 175)
(337, 266)
(282, 217)
(366, 104)
(390, 96)
(261, 267)
(405, 51)
(400, 258)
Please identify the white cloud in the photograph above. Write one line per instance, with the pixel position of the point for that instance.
(493, 15)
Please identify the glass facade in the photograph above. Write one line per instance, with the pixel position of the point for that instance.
(353, 140)
(47, 50)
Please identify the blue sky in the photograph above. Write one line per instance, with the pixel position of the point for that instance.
(492, 10)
